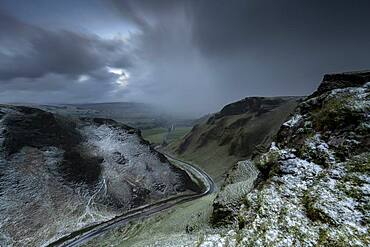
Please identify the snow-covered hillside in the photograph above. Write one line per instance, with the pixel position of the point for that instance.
(314, 183)
(59, 174)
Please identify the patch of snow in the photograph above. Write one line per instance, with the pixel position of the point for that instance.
(293, 121)
(359, 101)
(340, 208)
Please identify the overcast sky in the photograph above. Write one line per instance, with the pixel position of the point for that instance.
(187, 56)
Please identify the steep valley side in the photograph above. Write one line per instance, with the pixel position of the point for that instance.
(235, 133)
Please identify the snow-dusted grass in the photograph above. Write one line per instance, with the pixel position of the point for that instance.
(128, 162)
(36, 205)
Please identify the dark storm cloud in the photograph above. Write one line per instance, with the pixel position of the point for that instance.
(56, 88)
(41, 65)
(36, 52)
(242, 25)
(218, 51)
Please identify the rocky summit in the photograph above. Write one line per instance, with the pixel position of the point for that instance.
(59, 174)
(312, 187)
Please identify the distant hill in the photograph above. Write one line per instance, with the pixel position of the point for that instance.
(235, 133)
(138, 115)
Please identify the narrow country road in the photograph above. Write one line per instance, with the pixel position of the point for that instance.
(83, 235)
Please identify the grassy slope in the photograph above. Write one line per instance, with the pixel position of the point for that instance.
(216, 159)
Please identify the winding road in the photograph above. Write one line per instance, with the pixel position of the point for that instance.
(83, 235)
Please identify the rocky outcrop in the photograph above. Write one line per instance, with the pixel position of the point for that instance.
(59, 174)
(240, 180)
(314, 183)
(342, 80)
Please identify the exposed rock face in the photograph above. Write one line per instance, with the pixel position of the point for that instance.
(240, 181)
(58, 175)
(234, 133)
(314, 185)
(343, 80)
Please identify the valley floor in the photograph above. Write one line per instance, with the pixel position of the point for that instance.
(183, 225)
